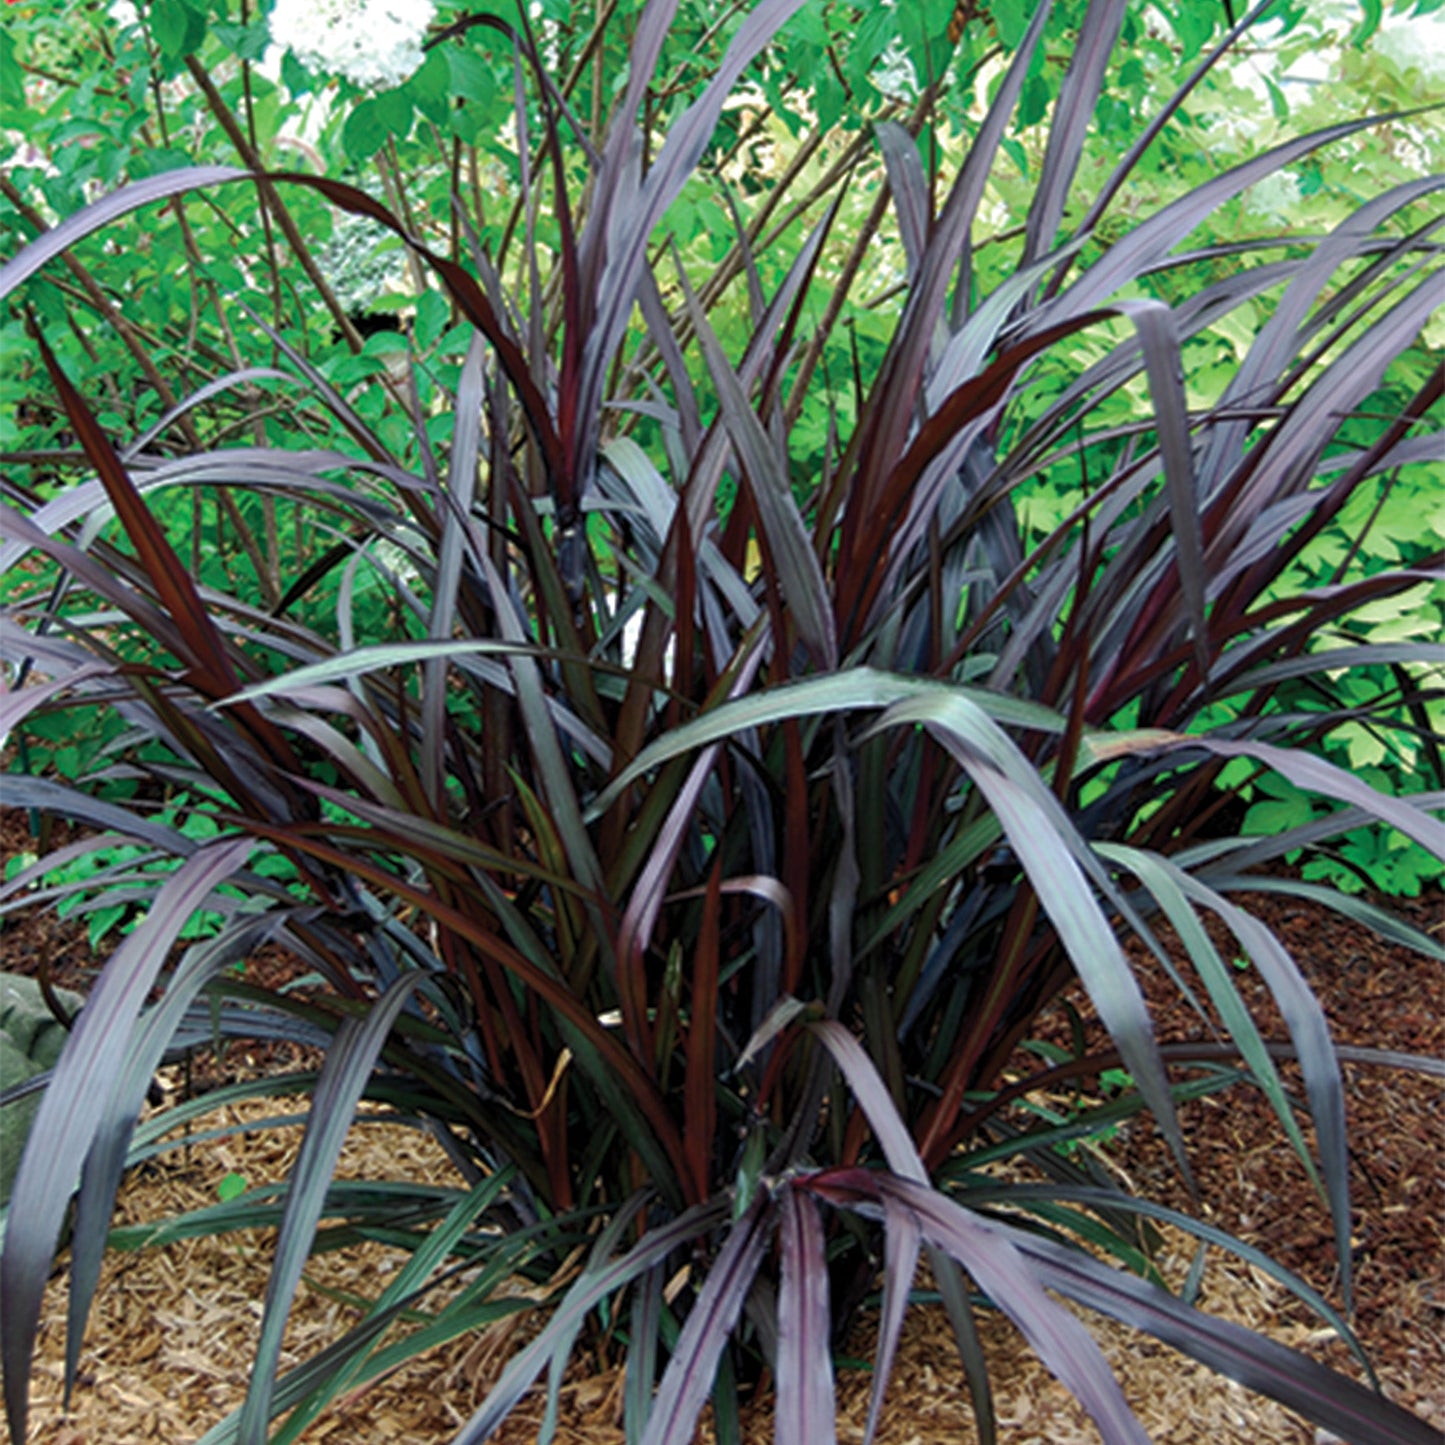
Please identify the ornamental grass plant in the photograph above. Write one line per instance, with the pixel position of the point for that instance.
(694, 836)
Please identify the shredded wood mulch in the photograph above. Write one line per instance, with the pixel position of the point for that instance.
(170, 1339)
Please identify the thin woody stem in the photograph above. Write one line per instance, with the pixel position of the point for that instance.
(271, 199)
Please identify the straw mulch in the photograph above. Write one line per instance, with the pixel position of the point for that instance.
(170, 1337)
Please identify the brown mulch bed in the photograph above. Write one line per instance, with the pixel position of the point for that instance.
(170, 1338)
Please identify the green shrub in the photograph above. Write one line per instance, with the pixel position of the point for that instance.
(691, 837)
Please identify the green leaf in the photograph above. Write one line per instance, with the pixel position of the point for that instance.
(364, 132)
(232, 1186)
(178, 30)
(152, 162)
(12, 87)
(432, 315)
(1374, 12)
(429, 89)
(245, 42)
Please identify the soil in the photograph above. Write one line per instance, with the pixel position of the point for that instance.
(170, 1338)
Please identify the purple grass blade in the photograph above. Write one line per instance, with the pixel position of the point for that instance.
(1073, 111)
(74, 1105)
(643, 908)
(455, 507)
(204, 649)
(1293, 449)
(105, 1164)
(789, 542)
(45, 795)
(595, 1283)
(1277, 344)
(900, 1264)
(120, 202)
(994, 1255)
(691, 1370)
(1325, 1396)
(556, 776)
(1318, 776)
(1161, 232)
(806, 1408)
(15, 707)
(631, 213)
(891, 407)
(874, 1099)
(1045, 841)
(1156, 125)
(1162, 361)
(911, 201)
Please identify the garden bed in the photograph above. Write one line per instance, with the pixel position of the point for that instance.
(170, 1340)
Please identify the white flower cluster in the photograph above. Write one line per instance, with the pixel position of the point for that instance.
(376, 43)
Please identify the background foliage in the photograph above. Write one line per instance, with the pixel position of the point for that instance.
(688, 744)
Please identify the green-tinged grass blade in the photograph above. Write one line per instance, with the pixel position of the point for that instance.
(1322, 1395)
(953, 1292)
(1163, 879)
(785, 534)
(690, 1372)
(805, 1405)
(901, 1247)
(470, 1310)
(1039, 835)
(556, 776)
(873, 1098)
(645, 1324)
(147, 1134)
(995, 1256)
(1159, 338)
(409, 1284)
(1024, 1195)
(344, 1077)
(387, 1210)
(374, 657)
(74, 1106)
(596, 1283)
(1349, 905)
(1310, 1032)
(854, 689)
